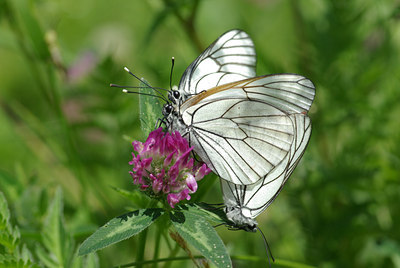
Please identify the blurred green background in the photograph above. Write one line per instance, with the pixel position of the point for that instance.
(62, 125)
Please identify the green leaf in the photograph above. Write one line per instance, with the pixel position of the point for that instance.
(200, 234)
(3, 6)
(150, 108)
(91, 261)
(158, 20)
(10, 185)
(16, 254)
(120, 228)
(138, 198)
(9, 236)
(44, 257)
(55, 239)
(6, 12)
(4, 213)
(8, 261)
(34, 31)
(88, 261)
(209, 213)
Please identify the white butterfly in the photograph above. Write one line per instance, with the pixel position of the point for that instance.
(251, 131)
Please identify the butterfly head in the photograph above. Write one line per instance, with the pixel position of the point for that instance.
(167, 109)
(234, 214)
(174, 96)
(172, 118)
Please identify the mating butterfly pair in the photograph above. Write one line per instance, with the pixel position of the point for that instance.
(251, 131)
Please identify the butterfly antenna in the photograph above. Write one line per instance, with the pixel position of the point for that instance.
(144, 82)
(135, 92)
(141, 93)
(268, 249)
(172, 70)
(119, 86)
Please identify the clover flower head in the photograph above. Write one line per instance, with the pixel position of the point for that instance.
(163, 167)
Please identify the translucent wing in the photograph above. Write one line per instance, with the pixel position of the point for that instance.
(244, 132)
(292, 93)
(254, 199)
(240, 140)
(231, 57)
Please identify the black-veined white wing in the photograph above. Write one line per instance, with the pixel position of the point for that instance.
(231, 57)
(240, 140)
(250, 200)
(291, 93)
(243, 130)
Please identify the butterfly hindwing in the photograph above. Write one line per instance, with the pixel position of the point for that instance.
(255, 198)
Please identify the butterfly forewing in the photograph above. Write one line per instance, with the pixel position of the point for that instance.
(240, 139)
(230, 58)
(291, 93)
(243, 131)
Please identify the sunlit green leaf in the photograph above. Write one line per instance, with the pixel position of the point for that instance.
(150, 109)
(44, 257)
(199, 233)
(209, 213)
(89, 261)
(16, 254)
(56, 239)
(9, 236)
(7, 261)
(4, 212)
(34, 31)
(120, 228)
(138, 198)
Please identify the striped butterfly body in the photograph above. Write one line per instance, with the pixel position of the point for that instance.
(251, 131)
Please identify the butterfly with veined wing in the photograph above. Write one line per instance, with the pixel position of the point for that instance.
(251, 131)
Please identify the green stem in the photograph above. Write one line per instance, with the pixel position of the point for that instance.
(45, 76)
(30, 59)
(172, 255)
(188, 22)
(164, 234)
(278, 262)
(157, 247)
(168, 260)
(302, 39)
(142, 246)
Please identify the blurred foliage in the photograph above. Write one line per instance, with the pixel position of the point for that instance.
(61, 124)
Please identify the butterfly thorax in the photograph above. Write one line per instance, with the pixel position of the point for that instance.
(171, 111)
(175, 123)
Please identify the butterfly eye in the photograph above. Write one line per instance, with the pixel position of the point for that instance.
(167, 109)
(176, 94)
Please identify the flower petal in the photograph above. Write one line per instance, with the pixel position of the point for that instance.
(163, 166)
(173, 199)
(191, 183)
(202, 171)
(173, 172)
(168, 159)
